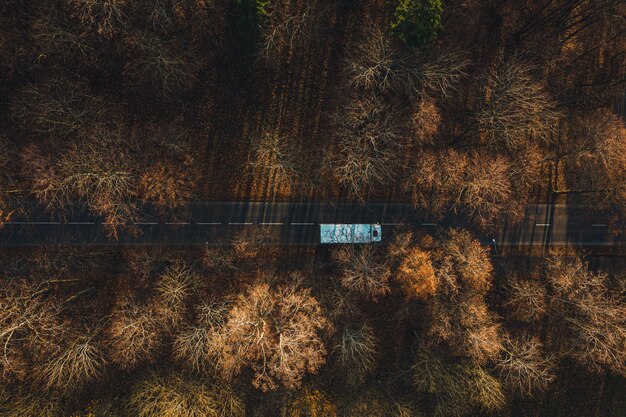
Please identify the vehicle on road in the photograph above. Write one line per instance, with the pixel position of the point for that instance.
(350, 233)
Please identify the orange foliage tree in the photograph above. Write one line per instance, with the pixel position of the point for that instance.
(417, 275)
(458, 314)
(277, 332)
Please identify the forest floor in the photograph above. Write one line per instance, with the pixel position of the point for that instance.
(292, 100)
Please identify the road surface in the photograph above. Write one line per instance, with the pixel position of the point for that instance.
(297, 223)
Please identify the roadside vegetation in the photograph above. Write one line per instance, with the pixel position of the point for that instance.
(469, 110)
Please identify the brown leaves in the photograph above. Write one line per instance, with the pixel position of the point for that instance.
(168, 186)
(426, 121)
(480, 337)
(134, 334)
(417, 275)
(458, 313)
(453, 280)
(310, 402)
(475, 184)
(593, 320)
(277, 333)
(463, 256)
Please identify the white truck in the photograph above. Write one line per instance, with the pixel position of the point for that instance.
(350, 233)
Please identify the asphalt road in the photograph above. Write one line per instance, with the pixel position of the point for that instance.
(298, 224)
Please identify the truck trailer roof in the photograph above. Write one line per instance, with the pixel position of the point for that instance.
(350, 233)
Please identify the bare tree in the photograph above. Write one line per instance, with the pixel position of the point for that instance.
(79, 362)
(596, 160)
(527, 300)
(286, 26)
(277, 332)
(371, 403)
(473, 183)
(101, 177)
(458, 316)
(484, 389)
(163, 67)
(58, 43)
(22, 401)
(29, 324)
(199, 19)
(248, 247)
(432, 375)
(525, 172)
(57, 107)
(401, 245)
(170, 178)
(435, 178)
(486, 191)
(478, 334)
(371, 64)
(221, 259)
(368, 146)
(361, 165)
(589, 318)
(146, 263)
(275, 157)
(378, 64)
(197, 346)
(437, 75)
(477, 185)
(6, 182)
(252, 242)
(523, 366)
(168, 186)
(457, 388)
(516, 109)
(564, 20)
(362, 271)
(134, 334)
(173, 395)
(104, 16)
(357, 348)
(462, 262)
(600, 134)
(173, 290)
